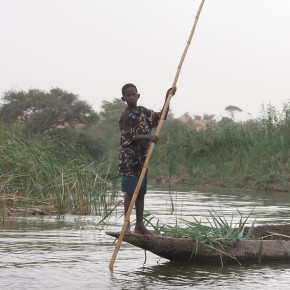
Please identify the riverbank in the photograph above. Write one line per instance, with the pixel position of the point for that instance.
(184, 178)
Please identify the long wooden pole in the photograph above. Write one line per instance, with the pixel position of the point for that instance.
(145, 166)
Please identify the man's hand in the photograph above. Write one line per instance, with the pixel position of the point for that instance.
(171, 91)
(153, 138)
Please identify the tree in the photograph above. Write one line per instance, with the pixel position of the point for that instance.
(111, 111)
(232, 110)
(208, 117)
(82, 138)
(197, 117)
(185, 118)
(108, 127)
(41, 111)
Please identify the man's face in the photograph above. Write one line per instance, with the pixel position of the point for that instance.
(130, 95)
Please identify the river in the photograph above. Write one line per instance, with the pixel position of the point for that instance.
(73, 252)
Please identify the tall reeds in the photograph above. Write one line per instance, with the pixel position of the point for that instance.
(37, 172)
(254, 153)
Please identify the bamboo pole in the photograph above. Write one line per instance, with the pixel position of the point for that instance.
(145, 166)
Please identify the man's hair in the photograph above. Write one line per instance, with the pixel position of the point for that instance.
(128, 86)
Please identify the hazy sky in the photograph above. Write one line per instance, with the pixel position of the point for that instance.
(239, 55)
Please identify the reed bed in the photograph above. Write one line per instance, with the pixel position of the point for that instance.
(255, 153)
(56, 178)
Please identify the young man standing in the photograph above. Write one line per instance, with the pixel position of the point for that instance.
(135, 124)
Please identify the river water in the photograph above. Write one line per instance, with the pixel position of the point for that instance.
(74, 252)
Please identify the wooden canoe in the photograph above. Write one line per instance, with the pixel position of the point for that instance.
(271, 244)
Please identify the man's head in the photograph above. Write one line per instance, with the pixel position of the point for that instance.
(129, 89)
(128, 86)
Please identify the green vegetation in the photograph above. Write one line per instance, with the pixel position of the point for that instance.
(54, 177)
(58, 153)
(218, 233)
(226, 153)
(40, 111)
(52, 160)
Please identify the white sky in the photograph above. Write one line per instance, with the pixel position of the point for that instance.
(239, 55)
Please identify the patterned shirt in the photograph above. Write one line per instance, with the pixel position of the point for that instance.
(133, 152)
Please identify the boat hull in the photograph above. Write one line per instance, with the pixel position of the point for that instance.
(186, 250)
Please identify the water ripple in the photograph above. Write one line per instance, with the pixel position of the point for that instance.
(74, 253)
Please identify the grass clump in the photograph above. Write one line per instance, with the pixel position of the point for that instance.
(57, 178)
(217, 230)
(218, 233)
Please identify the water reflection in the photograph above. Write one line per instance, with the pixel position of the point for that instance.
(198, 277)
(74, 253)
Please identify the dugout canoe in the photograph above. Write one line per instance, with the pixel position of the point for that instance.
(268, 244)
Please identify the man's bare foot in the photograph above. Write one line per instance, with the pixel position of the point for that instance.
(128, 231)
(143, 231)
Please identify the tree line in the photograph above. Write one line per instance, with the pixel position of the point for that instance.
(253, 153)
